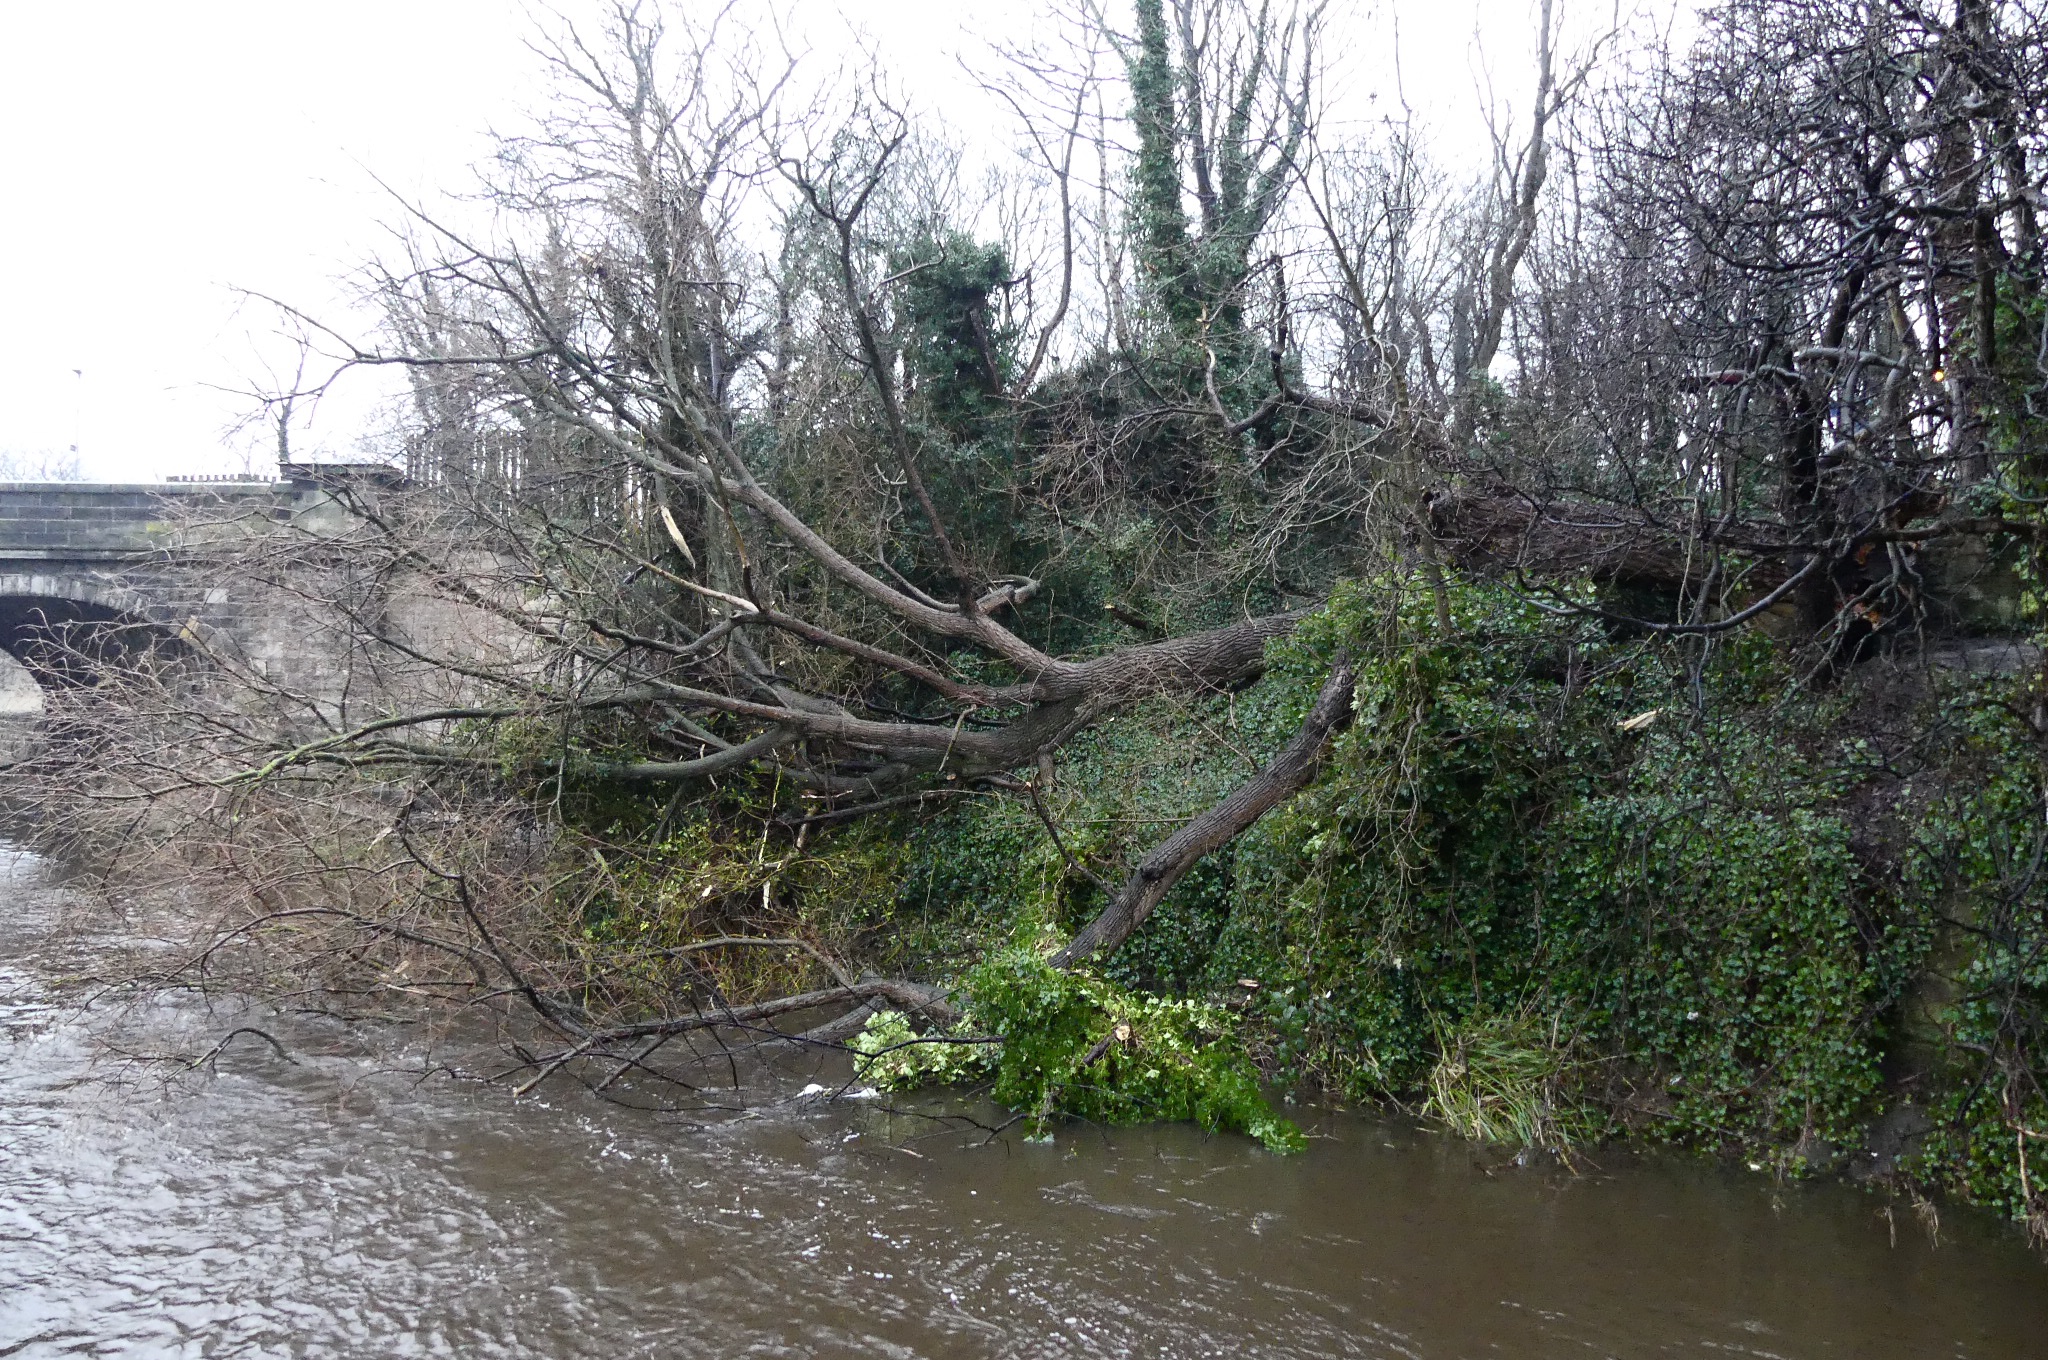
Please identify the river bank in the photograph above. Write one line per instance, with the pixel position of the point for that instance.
(340, 1204)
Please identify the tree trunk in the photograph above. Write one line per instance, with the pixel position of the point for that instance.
(1287, 774)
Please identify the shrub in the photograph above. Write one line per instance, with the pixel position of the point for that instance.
(1073, 1044)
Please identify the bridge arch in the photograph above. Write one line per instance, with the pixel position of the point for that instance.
(63, 630)
(127, 559)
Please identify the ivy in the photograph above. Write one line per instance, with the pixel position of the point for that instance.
(1075, 1045)
(1555, 884)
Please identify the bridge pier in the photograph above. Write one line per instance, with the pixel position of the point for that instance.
(20, 695)
(21, 712)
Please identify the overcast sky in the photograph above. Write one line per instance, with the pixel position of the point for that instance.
(160, 157)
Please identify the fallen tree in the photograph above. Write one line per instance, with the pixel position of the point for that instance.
(805, 620)
(730, 504)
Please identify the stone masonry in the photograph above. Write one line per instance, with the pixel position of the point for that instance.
(101, 552)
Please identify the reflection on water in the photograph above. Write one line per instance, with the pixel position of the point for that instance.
(323, 1209)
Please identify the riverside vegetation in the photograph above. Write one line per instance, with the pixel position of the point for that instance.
(1214, 606)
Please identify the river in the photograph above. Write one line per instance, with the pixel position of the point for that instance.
(337, 1205)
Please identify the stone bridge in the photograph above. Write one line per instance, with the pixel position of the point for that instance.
(108, 553)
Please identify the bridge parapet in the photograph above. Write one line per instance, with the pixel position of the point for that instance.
(108, 521)
(98, 522)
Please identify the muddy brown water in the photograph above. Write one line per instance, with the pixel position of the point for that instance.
(335, 1207)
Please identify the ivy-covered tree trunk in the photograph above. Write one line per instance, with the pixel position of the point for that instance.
(1226, 132)
(1162, 224)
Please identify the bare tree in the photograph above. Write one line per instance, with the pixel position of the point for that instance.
(1763, 367)
(712, 458)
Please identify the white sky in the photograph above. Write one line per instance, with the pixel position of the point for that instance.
(160, 156)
